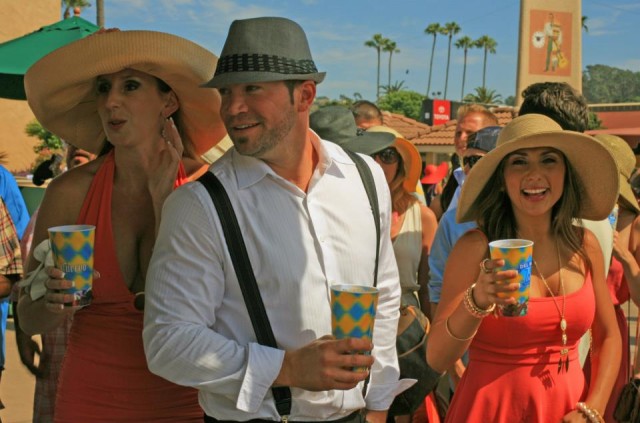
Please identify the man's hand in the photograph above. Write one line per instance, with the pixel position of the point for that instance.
(326, 363)
(373, 416)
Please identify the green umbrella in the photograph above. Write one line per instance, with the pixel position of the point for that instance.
(17, 55)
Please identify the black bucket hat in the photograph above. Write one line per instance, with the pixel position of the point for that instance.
(337, 124)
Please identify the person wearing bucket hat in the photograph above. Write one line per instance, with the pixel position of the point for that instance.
(135, 97)
(336, 124)
(623, 280)
(531, 186)
(310, 227)
(413, 153)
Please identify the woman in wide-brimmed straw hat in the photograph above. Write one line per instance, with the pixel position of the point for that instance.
(523, 363)
(134, 97)
(413, 224)
(623, 278)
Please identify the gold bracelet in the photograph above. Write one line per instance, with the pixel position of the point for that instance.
(473, 308)
(592, 414)
(446, 326)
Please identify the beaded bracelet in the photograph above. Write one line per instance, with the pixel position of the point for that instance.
(473, 308)
(446, 326)
(592, 414)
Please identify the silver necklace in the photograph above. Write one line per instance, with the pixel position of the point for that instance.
(563, 363)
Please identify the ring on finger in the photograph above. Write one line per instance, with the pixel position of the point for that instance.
(483, 266)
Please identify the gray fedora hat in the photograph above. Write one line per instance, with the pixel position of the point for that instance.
(264, 50)
(337, 124)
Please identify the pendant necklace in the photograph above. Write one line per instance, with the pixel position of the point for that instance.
(563, 363)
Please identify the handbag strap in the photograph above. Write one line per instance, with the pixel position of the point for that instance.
(246, 278)
(634, 368)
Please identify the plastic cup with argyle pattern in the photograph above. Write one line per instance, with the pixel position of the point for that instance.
(72, 249)
(353, 311)
(517, 255)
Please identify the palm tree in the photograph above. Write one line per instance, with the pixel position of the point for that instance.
(464, 43)
(396, 87)
(450, 29)
(100, 13)
(484, 96)
(584, 23)
(377, 42)
(71, 4)
(489, 45)
(390, 46)
(432, 29)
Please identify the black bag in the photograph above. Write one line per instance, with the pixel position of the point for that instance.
(628, 406)
(411, 344)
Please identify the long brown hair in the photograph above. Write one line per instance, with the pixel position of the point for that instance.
(497, 220)
(401, 200)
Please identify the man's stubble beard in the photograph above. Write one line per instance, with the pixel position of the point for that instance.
(268, 140)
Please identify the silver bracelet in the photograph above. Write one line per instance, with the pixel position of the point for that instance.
(592, 414)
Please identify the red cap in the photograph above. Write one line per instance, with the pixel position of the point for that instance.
(434, 174)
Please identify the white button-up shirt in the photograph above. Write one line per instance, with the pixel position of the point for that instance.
(197, 330)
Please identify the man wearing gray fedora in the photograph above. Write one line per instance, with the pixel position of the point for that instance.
(307, 225)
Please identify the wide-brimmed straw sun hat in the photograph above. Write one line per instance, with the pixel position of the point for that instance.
(61, 87)
(337, 124)
(263, 50)
(410, 156)
(592, 162)
(626, 161)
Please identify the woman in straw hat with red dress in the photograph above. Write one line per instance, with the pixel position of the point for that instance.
(623, 279)
(532, 186)
(134, 97)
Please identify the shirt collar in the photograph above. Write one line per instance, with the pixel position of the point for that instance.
(250, 170)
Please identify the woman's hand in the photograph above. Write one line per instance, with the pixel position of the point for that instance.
(162, 178)
(56, 297)
(493, 286)
(574, 416)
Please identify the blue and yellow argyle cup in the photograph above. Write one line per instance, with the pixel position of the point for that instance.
(72, 249)
(353, 311)
(517, 255)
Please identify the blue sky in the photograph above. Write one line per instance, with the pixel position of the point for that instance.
(337, 31)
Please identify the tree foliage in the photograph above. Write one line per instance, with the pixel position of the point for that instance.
(484, 96)
(606, 84)
(68, 5)
(404, 102)
(49, 143)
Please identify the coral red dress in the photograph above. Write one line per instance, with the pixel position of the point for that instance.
(513, 374)
(619, 292)
(105, 377)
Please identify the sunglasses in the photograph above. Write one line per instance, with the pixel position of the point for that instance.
(470, 160)
(387, 156)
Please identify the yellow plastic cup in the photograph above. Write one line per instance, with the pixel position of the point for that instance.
(353, 312)
(72, 247)
(517, 255)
